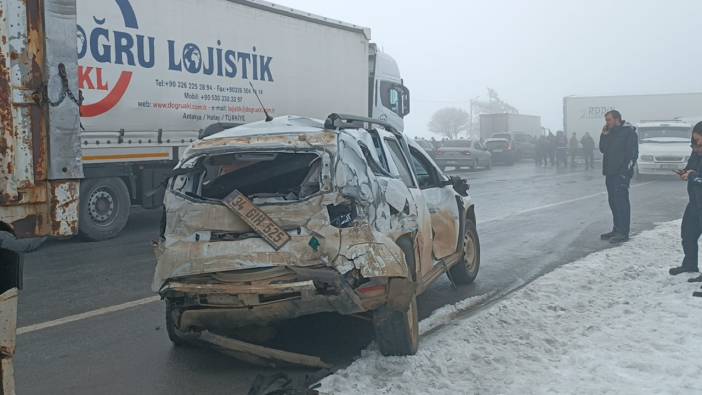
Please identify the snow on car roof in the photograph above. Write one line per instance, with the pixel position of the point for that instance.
(279, 125)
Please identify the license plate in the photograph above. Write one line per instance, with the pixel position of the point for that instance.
(497, 150)
(259, 221)
(670, 167)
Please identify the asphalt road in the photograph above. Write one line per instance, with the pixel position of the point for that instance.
(530, 220)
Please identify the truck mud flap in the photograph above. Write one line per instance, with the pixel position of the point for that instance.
(260, 355)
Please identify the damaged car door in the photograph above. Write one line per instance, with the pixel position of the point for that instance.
(442, 202)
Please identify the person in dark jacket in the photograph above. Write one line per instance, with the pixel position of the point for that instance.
(619, 145)
(573, 146)
(691, 228)
(561, 149)
(588, 144)
(551, 148)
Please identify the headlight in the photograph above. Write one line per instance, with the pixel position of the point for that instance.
(646, 158)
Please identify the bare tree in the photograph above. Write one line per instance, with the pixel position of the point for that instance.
(449, 122)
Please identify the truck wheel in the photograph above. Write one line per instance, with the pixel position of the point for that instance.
(397, 332)
(104, 208)
(173, 313)
(466, 270)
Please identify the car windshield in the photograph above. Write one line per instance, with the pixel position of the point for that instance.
(647, 134)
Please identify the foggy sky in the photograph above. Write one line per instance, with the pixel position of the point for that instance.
(532, 52)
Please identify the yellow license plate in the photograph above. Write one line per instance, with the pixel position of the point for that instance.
(259, 221)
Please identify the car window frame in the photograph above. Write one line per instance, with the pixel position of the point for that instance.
(427, 165)
(393, 139)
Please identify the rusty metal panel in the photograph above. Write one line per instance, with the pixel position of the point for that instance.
(64, 207)
(8, 185)
(34, 102)
(62, 70)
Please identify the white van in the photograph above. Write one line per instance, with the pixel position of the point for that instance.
(664, 146)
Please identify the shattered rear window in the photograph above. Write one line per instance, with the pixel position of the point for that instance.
(290, 176)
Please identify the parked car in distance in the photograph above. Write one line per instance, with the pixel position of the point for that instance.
(501, 151)
(524, 145)
(664, 146)
(429, 146)
(462, 153)
(274, 220)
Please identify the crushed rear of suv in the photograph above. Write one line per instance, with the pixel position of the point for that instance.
(275, 220)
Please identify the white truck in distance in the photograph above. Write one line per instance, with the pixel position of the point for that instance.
(510, 123)
(586, 113)
(664, 146)
(152, 83)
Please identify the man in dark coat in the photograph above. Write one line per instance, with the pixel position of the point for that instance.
(588, 144)
(691, 228)
(619, 145)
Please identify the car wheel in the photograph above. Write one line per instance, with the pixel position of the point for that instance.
(397, 332)
(474, 165)
(104, 208)
(489, 164)
(466, 270)
(173, 313)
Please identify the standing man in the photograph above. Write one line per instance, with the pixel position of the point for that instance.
(551, 148)
(573, 149)
(619, 145)
(588, 144)
(691, 228)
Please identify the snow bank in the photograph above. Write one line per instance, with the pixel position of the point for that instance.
(613, 322)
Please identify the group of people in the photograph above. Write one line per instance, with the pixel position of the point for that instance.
(555, 150)
(619, 146)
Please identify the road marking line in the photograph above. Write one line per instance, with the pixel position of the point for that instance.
(556, 204)
(152, 299)
(88, 314)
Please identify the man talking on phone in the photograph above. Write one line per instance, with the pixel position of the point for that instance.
(619, 145)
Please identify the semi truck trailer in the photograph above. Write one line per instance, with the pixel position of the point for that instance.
(586, 113)
(156, 75)
(509, 123)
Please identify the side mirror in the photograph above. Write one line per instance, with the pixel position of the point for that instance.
(460, 185)
(405, 100)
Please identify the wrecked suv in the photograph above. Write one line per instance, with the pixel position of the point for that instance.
(275, 220)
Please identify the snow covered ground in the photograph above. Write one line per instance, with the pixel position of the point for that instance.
(612, 322)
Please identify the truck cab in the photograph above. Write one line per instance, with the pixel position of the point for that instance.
(390, 98)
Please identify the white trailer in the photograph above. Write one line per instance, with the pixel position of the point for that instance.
(586, 113)
(509, 123)
(155, 74)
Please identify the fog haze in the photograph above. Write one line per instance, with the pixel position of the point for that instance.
(533, 53)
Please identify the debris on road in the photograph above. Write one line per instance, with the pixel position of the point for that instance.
(260, 355)
(614, 321)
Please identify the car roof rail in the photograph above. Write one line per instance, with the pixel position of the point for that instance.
(346, 121)
(216, 128)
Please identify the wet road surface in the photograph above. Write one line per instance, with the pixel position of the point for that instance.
(530, 220)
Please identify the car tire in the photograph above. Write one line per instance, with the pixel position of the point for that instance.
(475, 165)
(397, 332)
(173, 313)
(466, 270)
(104, 208)
(489, 164)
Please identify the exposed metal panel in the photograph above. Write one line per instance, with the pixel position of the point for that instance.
(8, 185)
(64, 121)
(64, 207)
